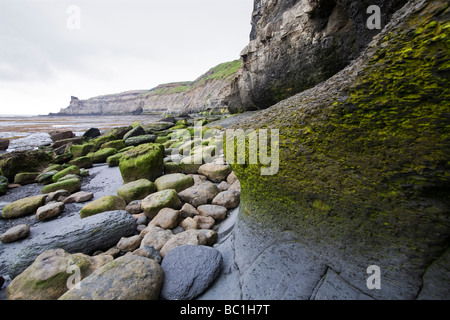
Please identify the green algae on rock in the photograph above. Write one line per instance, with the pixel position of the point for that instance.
(136, 190)
(142, 162)
(72, 185)
(104, 204)
(23, 207)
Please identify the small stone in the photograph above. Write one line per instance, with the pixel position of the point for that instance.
(188, 211)
(114, 251)
(54, 196)
(103, 204)
(236, 186)
(223, 186)
(141, 218)
(166, 218)
(215, 172)
(210, 235)
(148, 252)
(204, 222)
(79, 197)
(232, 178)
(15, 233)
(189, 237)
(189, 223)
(128, 244)
(134, 207)
(140, 227)
(155, 236)
(218, 213)
(228, 199)
(49, 211)
(159, 200)
(199, 194)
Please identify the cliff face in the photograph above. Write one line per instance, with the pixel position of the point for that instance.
(208, 93)
(296, 44)
(363, 176)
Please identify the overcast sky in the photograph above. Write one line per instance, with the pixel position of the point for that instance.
(53, 49)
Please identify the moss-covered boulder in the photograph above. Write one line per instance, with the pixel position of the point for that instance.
(176, 181)
(47, 277)
(23, 207)
(23, 161)
(82, 150)
(101, 155)
(3, 185)
(135, 141)
(114, 160)
(136, 190)
(82, 162)
(142, 162)
(191, 164)
(46, 177)
(116, 144)
(72, 185)
(159, 200)
(171, 167)
(111, 135)
(103, 204)
(363, 163)
(70, 170)
(24, 178)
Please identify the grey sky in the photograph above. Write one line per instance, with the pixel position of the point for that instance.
(121, 45)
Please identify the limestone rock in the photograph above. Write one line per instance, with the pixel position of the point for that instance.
(189, 223)
(16, 233)
(23, 207)
(136, 190)
(47, 277)
(126, 278)
(188, 271)
(177, 181)
(82, 162)
(138, 140)
(106, 203)
(3, 185)
(91, 133)
(159, 200)
(49, 211)
(142, 162)
(199, 194)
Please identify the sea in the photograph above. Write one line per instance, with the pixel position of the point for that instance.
(30, 132)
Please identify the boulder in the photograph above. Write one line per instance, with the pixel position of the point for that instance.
(70, 170)
(136, 190)
(189, 237)
(218, 213)
(82, 162)
(130, 277)
(91, 133)
(99, 232)
(16, 233)
(137, 131)
(3, 185)
(101, 155)
(166, 218)
(79, 197)
(4, 144)
(155, 237)
(227, 199)
(188, 271)
(159, 200)
(47, 278)
(25, 178)
(136, 141)
(23, 207)
(204, 222)
(171, 167)
(72, 185)
(177, 181)
(103, 204)
(128, 244)
(191, 164)
(215, 172)
(60, 135)
(116, 144)
(199, 194)
(23, 161)
(82, 150)
(114, 160)
(188, 211)
(46, 177)
(142, 162)
(62, 158)
(49, 211)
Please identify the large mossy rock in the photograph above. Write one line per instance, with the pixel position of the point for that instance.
(160, 200)
(103, 204)
(142, 162)
(48, 275)
(102, 155)
(82, 150)
(176, 181)
(136, 190)
(23, 207)
(363, 164)
(72, 185)
(23, 161)
(70, 170)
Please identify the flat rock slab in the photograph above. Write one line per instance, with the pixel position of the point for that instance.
(188, 271)
(72, 234)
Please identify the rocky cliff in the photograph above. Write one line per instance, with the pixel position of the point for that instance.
(363, 177)
(297, 44)
(208, 93)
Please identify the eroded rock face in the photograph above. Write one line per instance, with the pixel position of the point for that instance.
(295, 45)
(361, 181)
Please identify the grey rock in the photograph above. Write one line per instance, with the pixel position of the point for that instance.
(49, 211)
(189, 237)
(134, 207)
(188, 271)
(98, 232)
(155, 237)
(16, 233)
(79, 197)
(148, 252)
(92, 133)
(199, 194)
(188, 211)
(228, 199)
(218, 213)
(127, 244)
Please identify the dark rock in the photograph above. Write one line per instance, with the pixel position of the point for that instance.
(188, 271)
(99, 232)
(23, 161)
(65, 142)
(4, 144)
(60, 135)
(138, 131)
(135, 141)
(3, 185)
(92, 133)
